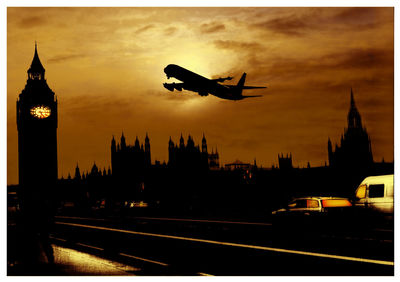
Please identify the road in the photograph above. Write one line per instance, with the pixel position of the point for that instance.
(179, 246)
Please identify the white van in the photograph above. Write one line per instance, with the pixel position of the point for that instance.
(375, 193)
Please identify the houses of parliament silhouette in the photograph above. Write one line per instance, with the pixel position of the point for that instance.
(191, 171)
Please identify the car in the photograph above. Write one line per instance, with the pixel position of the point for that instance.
(313, 209)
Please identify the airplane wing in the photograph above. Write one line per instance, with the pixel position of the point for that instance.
(252, 87)
(173, 86)
(245, 87)
(222, 79)
(186, 86)
(252, 96)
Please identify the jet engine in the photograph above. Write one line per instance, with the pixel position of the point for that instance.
(170, 87)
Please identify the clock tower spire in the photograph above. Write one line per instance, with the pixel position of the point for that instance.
(36, 70)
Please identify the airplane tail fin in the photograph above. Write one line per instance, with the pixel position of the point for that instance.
(240, 85)
(242, 80)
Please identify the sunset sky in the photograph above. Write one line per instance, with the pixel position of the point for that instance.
(106, 67)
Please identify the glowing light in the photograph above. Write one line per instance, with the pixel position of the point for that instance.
(336, 203)
(86, 264)
(40, 112)
(361, 191)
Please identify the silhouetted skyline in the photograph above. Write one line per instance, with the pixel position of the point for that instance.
(107, 71)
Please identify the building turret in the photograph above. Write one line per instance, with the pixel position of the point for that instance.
(190, 142)
(77, 173)
(94, 170)
(204, 144)
(113, 145)
(147, 150)
(137, 145)
(123, 142)
(285, 163)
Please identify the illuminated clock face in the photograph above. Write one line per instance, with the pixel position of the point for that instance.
(40, 112)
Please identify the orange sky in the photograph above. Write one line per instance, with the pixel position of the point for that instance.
(106, 67)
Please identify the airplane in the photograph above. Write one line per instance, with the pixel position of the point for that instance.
(193, 82)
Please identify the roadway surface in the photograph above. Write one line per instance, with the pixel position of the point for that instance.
(178, 246)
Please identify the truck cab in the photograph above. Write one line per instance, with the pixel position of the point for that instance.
(376, 193)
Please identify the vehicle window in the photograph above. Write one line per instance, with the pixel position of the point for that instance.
(360, 193)
(301, 204)
(376, 190)
(292, 205)
(312, 204)
(389, 190)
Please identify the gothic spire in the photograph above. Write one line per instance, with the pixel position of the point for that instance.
(354, 117)
(137, 144)
(123, 142)
(36, 70)
(352, 103)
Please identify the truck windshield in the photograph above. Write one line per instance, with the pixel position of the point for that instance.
(361, 191)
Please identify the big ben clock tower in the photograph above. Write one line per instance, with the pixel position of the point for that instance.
(37, 133)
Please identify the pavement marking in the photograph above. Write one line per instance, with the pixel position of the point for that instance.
(174, 219)
(203, 220)
(92, 247)
(234, 244)
(143, 259)
(204, 274)
(59, 239)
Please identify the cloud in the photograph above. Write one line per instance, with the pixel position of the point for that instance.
(144, 28)
(211, 27)
(364, 16)
(33, 21)
(368, 64)
(288, 25)
(170, 30)
(360, 58)
(86, 108)
(302, 21)
(63, 58)
(237, 46)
